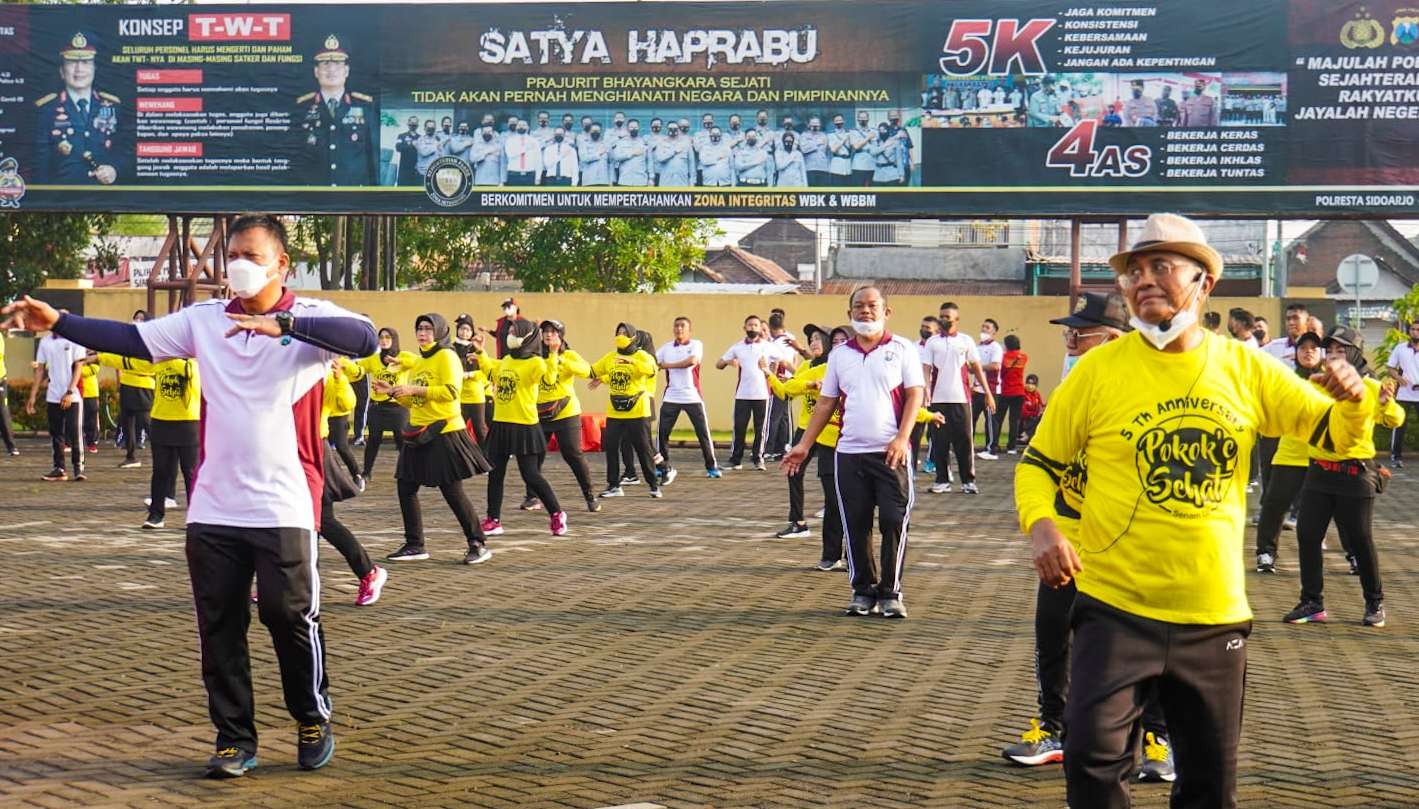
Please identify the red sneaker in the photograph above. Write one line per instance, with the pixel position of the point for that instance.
(559, 524)
(491, 527)
(371, 586)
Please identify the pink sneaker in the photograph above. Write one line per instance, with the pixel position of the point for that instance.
(371, 586)
(491, 527)
(559, 524)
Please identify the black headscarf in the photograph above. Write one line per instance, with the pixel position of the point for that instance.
(385, 354)
(632, 333)
(464, 349)
(847, 332)
(555, 325)
(808, 332)
(645, 342)
(526, 331)
(440, 332)
(1310, 336)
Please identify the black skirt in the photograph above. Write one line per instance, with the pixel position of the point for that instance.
(174, 433)
(510, 440)
(447, 458)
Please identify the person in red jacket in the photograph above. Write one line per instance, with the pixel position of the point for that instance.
(1012, 393)
(1033, 409)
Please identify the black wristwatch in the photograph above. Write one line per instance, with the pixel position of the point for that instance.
(285, 320)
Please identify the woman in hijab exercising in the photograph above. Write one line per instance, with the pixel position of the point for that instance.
(559, 409)
(383, 369)
(437, 451)
(515, 379)
(473, 396)
(628, 371)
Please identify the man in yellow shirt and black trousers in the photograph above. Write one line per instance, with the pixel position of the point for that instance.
(1167, 416)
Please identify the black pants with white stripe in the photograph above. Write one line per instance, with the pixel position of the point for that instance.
(992, 423)
(832, 515)
(744, 410)
(866, 486)
(779, 426)
(221, 560)
(954, 436)
(669, 414)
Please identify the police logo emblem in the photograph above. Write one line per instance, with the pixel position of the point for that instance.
(1362, 32)
(1405, 28)
(449, 181)
(12, 185)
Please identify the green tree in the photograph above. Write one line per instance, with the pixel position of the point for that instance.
(1406, 311)
(37, 246)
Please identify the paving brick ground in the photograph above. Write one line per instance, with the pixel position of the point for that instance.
(667, 652)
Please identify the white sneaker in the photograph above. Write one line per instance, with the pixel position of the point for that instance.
(820, 513)
(168, 502)
(1289, 524)
(969, 488)
(940, 488)
(986, 456)
(152, 525)
(670, 476)
(614, 491)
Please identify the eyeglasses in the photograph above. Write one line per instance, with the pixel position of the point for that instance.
(1074, 335)
(1160, 268)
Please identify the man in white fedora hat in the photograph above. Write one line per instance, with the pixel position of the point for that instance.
(1167, 415)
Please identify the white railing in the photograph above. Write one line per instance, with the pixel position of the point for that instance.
(923, 233)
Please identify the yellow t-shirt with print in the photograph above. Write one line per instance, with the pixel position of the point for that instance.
(373, 367)
(441, 374)
(89, 381)
(1388, 415)
(177, 393)
(514, 385)
(1169, 439)
(563, 369)
(340, 399)
(627, 376)
(130, 371)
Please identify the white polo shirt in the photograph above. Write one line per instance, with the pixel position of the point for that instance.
(872, 386)
(682, 385)
(1282, 349)
(992, 352)
(752, 384)
(58, 356)
(949, 357)
(260, 452)
(1406, 359)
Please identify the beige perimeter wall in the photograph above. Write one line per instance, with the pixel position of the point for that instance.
(591, 320)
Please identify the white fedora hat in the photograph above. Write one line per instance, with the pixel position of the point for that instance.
(1174, 234)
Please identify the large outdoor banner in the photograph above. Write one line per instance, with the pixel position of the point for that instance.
(834, 108)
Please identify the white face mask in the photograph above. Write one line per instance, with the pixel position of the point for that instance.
(870, 328)
(509, 311)
(1069, 362)
(986, 337)
(1180, 322)
(246, 278)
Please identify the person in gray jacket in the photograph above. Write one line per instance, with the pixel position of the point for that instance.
(814, 146)
(673, 157)
(716, 161)
(461, 144)
(864, 164)
(486, 157)
(631, 157)
(752, 164)
(789, 171)
(839, 154)
(595, 158)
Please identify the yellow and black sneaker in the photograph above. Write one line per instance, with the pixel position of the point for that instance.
(230, 762)
(1038, 745)
(1157, 760)
(315, 745)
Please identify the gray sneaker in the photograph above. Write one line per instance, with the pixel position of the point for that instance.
(861, 606)
(1157, 760)
(1265, 563)
(893, 608)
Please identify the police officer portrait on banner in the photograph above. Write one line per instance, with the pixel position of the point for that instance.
(78, 128)
(336, 124)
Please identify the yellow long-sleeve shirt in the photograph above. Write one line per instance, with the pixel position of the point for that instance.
(515, 385)
(130, 371)
(1390, 414)
(373, 367)
(802, 384)
(339, 392)
(627, 375)
(563, 368)
(441, 375)
(89, 381)
(1169, 439)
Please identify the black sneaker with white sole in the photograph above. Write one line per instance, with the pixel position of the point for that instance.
(1265, 563)
(1374, 614)
(794, 531)
(592, 504)
(531, 504)
(230, 762)
(409, 553)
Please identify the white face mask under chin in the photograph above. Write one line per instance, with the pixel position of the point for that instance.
(1179, 323)
(246, 278)
(870, 328)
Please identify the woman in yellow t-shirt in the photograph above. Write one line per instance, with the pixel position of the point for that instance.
(175, 431)
(340, 400)
(628, 371)
(437, 450)
(383, 369)
(89, 390)
(515, 381)
(135, 401)
(559, 409)
(473, 395)
(7, 432)
(1341, 486)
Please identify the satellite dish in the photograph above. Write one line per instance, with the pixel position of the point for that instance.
(1356, 274)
